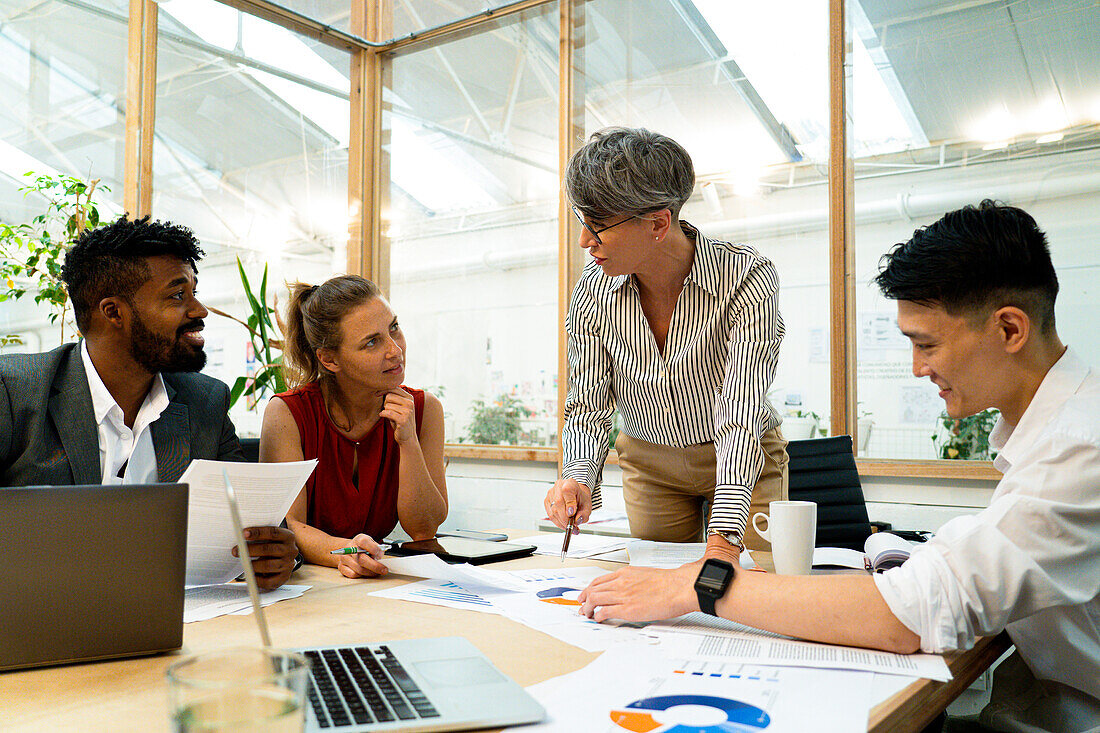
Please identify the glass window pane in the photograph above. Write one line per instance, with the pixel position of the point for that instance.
(63, 114)
(750, 105)
(251, 152)
(954, 104)
(472, 225)
(401, 17)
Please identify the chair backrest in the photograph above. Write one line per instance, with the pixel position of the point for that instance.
(823, 470)
(251, 448)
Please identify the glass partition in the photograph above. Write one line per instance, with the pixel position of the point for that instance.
(408, 16)
(744, 89)
(63, 115)
(250, 151)
(958, 103)
(471, 224)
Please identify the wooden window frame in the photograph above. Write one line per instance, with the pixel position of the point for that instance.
(368, 249)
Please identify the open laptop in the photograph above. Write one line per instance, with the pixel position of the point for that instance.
(407, 684)
(91, 572)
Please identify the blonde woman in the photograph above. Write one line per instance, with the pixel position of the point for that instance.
(379, 444)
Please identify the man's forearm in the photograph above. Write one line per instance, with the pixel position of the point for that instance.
(835, 609)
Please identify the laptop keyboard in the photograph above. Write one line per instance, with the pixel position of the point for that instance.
(357, 686)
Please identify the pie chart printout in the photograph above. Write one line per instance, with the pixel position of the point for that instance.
(690, 714)
(560, 596)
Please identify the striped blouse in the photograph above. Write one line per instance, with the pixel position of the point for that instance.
(709, 385)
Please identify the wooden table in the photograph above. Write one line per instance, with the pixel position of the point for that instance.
(131, 695)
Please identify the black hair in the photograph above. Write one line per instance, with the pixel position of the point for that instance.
(110, 261)
(974, 260)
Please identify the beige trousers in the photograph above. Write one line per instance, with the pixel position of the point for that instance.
(666, 488)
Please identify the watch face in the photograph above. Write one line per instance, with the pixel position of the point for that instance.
(713, 575)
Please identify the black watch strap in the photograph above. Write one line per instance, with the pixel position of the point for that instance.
(706, 603)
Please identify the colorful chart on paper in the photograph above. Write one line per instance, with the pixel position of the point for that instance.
(690, 714)
(560, 595)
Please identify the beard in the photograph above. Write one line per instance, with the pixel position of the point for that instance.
(158, 353)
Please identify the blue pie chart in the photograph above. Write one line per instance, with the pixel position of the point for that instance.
(740, 717)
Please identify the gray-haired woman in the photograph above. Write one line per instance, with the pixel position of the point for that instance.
(681, 333)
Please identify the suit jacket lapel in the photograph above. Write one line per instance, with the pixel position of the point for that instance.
(71, 411)
(172, 439)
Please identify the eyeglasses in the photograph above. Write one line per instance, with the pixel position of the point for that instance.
(596, 232)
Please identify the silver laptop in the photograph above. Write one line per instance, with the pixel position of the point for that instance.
(91, 572)
(407, 684)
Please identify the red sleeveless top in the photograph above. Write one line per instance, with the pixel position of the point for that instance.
(334, 503)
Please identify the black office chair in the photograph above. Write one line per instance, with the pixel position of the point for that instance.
(824, 471)
(251, 448)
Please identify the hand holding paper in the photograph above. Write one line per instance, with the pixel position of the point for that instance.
(264, 491)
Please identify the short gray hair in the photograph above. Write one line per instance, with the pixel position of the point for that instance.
(622, 170)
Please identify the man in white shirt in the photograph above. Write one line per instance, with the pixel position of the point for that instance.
(125, 404)
(975, 294)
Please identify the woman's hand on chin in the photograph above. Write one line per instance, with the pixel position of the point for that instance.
(399, 408)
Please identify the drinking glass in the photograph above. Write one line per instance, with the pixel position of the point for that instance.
(246, 690)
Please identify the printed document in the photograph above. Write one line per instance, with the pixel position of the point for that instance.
(650, 554)
(699, 635)
(264, 492)
(580, 546)
(201, 602)
(636, 689)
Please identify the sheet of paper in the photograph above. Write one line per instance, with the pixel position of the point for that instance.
(464, 574)
(264, 492)
(885, 686)
(581, 546)
(201, 602)
(649, 554)
(617, 556)
(634, 689)
(702, 636)
(839, 557)
(439, 593)
(550, 605)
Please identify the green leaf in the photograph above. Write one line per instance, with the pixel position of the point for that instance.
(256, 310)
(237, 389)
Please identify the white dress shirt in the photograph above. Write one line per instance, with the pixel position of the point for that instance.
(708, 384)
(120, 447)
(1030, 561)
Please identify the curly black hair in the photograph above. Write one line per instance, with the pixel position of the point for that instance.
(110, 261)
(973, 260)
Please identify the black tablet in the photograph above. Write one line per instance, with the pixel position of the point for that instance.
(462, 549)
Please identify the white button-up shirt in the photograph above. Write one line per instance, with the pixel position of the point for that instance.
(1030, 561)
(120, 446)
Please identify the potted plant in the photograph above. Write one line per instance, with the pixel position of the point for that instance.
(267, 344)
(497, 423)
(966, 438)
(31, 253)
(800, 424)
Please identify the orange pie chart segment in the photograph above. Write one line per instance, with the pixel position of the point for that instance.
(634, 721)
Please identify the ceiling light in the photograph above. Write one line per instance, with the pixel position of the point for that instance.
(1050, 138)
(999, 145)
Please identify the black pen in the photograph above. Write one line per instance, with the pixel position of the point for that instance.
(568, 534)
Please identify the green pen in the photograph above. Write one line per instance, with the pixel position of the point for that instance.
(355, 550)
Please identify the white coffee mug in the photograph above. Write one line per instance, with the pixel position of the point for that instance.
(792, 532)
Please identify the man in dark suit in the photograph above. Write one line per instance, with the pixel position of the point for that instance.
(126, 404)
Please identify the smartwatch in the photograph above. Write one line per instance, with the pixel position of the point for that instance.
(713, 580)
